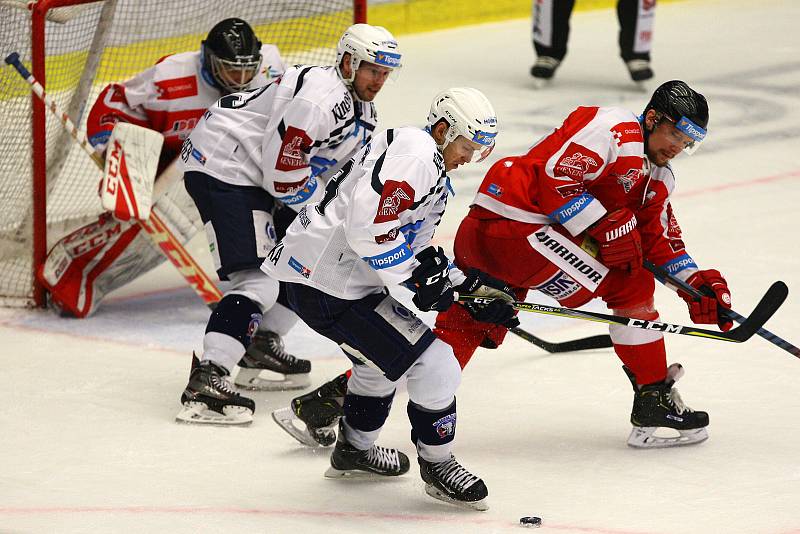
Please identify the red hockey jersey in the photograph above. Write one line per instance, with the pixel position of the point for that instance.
(170, 97)
(593, 164)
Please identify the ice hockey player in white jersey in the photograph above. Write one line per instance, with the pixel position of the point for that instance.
(169, 97)
(251, 150)
(373, 229)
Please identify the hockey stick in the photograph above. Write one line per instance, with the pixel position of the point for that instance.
(766, 307)
(669, 280)
(602, 341)
(160, 234)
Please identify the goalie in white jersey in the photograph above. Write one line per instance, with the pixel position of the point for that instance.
(373, 229)
(249, 152)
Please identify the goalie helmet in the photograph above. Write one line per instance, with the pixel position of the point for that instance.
(684, 107)
(468, 113)
(373, 44)
(231, 55)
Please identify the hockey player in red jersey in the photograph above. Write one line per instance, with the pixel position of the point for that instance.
(169, 97)
(574, 218)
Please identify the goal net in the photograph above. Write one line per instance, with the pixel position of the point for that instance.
(75, 48)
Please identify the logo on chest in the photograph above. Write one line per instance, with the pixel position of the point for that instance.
(629, 180)
(577, 161)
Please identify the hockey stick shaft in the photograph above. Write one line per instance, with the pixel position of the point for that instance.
(676, 283)
(766, 307)
(161, 235)
(584, 343)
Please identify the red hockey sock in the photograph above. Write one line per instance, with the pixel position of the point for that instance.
(464, 343)
(647, 361)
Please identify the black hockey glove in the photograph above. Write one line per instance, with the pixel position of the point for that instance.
(430, 281)
(499, 311)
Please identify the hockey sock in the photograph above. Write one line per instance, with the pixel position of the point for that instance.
(457, 328)
(642, 351)
(364, 417)
(232, 323)
(432, 431)
(647, 362)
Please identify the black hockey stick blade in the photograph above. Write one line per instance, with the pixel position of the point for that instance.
(602, 341)
(766, 307)
(666, 278)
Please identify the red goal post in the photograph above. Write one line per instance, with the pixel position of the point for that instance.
(75, 48)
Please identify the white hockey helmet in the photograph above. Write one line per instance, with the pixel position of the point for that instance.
(470, 114)
(373, 44)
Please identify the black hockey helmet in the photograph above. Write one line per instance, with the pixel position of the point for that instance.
(231, 54)
(684, 107)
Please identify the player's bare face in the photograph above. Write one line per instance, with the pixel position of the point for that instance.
(369, 80)
(666, 142)
(460, 151)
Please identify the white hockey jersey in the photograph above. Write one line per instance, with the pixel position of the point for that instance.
(282, 136)
(169, 97)
(378, 212)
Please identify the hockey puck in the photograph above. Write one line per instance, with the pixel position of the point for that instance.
(530, 521)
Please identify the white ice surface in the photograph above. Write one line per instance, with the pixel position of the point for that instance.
(88, 441)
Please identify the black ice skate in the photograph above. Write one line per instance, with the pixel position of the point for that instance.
(267, 355)
(640, 71)
(210, 399)
(347, 461)
(660, 406)
(311, 418)
(544, 69)
(450, 482)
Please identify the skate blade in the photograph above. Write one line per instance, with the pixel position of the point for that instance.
(252, 380)
(541, 83)
(288, 421)
(358, 474)
(197, 413)
(644, 438)
(481, 505)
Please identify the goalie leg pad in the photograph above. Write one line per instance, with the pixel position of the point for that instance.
(75, 264)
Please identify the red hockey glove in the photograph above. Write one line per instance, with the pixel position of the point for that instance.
(715, 295)
(619, 240)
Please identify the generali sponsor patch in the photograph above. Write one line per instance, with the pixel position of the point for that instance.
(291, 153)
(577, 161)
(395, 198)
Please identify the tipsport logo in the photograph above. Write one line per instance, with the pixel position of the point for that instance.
(484, 138)
(691, 129)
(387, 59)
(393, 257)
